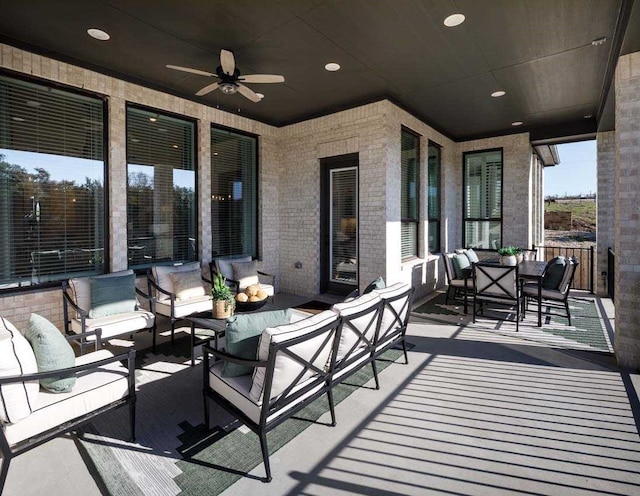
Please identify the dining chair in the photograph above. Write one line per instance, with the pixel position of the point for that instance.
(496, 284)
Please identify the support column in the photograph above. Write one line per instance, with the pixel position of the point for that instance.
(605, 198)
(627, 211)
(117, 184)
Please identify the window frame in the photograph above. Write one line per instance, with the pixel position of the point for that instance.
(104, 101)
(436, 219)
(195, 155)
(466, 219)
(416, 220)
(257, 255)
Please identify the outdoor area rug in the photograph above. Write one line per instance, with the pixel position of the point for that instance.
(174, 453)
(587, 332)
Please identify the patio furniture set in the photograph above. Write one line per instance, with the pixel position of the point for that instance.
(296, 357)
(489, 282)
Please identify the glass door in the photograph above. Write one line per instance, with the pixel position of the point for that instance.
(340, 226)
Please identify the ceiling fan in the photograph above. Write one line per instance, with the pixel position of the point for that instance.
(229, 78)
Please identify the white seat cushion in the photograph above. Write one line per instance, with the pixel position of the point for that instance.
(182, 308)
(93, 389)
(390, 322)
(115, 325)
(364, 324)
(162, 276)
(19, 399)
(287, 369)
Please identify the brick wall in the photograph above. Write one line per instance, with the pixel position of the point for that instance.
(605, 215)
(627, 211)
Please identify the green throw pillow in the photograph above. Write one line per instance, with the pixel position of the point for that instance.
(378, 283)
(52, 352)
(553, 273)
(112, 295)
(461, 265)
(243, 334)
(471, 255)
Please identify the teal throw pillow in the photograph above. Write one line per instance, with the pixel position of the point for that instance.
(377, 283)
(461, 265)
(471, 255)
(243, 334)
(52, 352)
(112, 295)
(553, 273)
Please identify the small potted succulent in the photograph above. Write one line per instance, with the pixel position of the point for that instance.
(223, 301)
(508, 255)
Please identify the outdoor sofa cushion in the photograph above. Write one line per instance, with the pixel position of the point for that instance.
(224, 265)
(461, 265)
(471, 255)
(162, 276)
(394, 314)
(80, 288)
(553, 273)
(187, 284)
(112, 295)
(349, 337)
(52, 352)
(17, 400)
(115, 325)
(242, 334)
(246, 273)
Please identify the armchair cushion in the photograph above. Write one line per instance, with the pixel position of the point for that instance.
(377, 283)
(80, 288)
(287, 369)
(115, 325)
(460, 265)
(162, 276)
(17, 400)
(52, 352)
(472, 256)
(246, 273)
(243, 333)
(553, 273)
(187, 284)
(112, 295)
(224, 265)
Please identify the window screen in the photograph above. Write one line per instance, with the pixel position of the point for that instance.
(409, 194)
(234, 202)
(51, 184)
(483, 199)
(161, 189)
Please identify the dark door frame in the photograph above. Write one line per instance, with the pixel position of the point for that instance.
(326, 165)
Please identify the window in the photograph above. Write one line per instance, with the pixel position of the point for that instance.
(409, 194)
(483, 199)
(433, 198)
(161, 189)
(51, 184)
(234, 198)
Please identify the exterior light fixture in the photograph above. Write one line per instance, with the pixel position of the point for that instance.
(98, 34)
(454, 20)
(517, 123)
(498, 93)
(332, 67)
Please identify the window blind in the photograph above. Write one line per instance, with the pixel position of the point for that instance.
(433, 198)
(51, 183)
(234, 202)
(161, 185)
(409, 194)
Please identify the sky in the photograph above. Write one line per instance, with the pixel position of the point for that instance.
(576, 172)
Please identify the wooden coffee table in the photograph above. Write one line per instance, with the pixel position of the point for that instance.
(212, 328)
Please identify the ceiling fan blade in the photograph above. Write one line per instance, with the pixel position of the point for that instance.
(249, 93)
(262, 78)
(189, 69)
(227, 61)
(208, 89)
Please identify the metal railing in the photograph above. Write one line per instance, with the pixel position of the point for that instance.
(583, 278)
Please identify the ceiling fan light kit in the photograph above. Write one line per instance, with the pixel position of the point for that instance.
(230, 80)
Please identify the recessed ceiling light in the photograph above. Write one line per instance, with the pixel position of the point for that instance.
(98, 34)
(18, 119)
(588, 116)
(454, 20)
(599, 41)
(215, 153)
(496, 94)
(135, 140)
(332, 67)
(174, 146)
(260, 95)
(152, 119)
(517, 123)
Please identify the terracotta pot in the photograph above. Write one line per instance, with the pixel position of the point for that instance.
(219, 311)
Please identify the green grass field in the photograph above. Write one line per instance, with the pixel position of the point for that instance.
(584, 212)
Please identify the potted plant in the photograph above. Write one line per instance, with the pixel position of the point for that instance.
(223, 301)
(508, 255)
